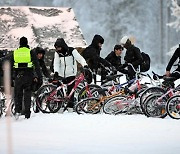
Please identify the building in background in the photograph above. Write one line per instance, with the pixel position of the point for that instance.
(41, 25)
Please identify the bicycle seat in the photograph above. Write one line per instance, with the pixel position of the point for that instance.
(112, 77)
(168, 78)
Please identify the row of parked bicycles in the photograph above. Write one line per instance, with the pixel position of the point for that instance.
(156, 98)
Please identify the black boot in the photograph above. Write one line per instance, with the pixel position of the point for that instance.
(27, 115)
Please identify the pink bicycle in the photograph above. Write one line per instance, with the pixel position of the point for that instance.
(58, 97)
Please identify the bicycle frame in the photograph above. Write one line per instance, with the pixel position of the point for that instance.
(102, 99)
(63, 86)
(169, 93)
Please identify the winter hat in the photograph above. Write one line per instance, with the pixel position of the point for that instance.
(40, 50)
(23, 41)
(98, 38)
(124, 40)
(61, 43)
(117, 46)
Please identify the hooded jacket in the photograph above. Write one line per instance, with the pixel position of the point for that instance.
(133, 56)
(175, 56)
(65, 60)
(92, 53)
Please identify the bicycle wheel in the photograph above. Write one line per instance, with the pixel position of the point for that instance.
(155, 106)
(49, 105)
(1, 108)
(147, 92)
(54, 104)
(173, 107)
(84, 93)
(114, 105)
(40, 96)
(88, 105)
(2, 102)
(12, 107)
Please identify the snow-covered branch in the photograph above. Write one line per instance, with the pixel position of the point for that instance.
(176, 13)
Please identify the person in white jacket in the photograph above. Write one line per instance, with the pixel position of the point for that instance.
(65, 65)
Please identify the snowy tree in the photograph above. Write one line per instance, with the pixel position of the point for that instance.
(175, 8)
(176, 13)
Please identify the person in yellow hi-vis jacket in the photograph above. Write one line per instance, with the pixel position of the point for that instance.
(24, 62)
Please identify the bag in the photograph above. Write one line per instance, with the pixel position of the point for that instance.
(80, 50)
(145, 65)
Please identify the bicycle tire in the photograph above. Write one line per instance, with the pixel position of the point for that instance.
(153, 109)
(54, 105)
(88, 105)
(40, 94)
(1, 109)
(12, 107)
(113, 105)
(147, 92)
(2, 102)
(83, 92)
(173, 107)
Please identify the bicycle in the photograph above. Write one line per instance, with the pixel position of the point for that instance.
(173, 107)
(93, 105)
(58, 98)
(2, 102)
(158, 87)
(155, 104)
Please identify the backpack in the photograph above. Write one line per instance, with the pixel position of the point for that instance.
(145, 65)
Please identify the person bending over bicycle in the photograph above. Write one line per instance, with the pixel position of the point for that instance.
(92, 56)
(65, 65)
(175, 73)
(132, 56)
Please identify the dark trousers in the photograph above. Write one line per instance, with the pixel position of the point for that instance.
(131, 73)
(22, 92)
(69, 88)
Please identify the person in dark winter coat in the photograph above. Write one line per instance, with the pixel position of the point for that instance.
(92, 54)
(132, 56)
(24, 63)
(115, 58)
(40, 52)
(65, 65)
(174, 57)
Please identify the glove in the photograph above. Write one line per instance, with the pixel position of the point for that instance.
(83, 69)
(88, 74)
(123, 66)
(114, 69)
(55, 76)
(86, 67)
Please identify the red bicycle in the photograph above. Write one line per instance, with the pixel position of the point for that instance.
(58, 97)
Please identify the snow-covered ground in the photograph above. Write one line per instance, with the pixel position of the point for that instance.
(90, 134)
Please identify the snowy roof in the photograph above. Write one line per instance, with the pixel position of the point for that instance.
(41, 25)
